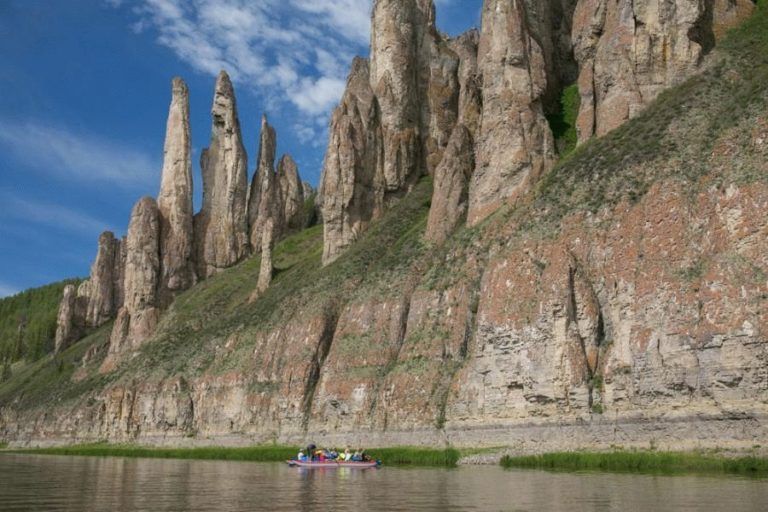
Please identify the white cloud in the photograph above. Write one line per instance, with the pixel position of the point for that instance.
(86, 158)
(57, 216)
(286, 51)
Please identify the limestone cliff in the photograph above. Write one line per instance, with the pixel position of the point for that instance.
(175, 199)
(221, 226)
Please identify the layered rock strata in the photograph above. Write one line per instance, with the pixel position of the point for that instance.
(221, 226)
(140, 313)
(175, 199)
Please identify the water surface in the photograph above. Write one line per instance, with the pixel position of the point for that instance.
(46, 483)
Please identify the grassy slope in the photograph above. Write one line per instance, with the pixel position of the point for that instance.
(668, 140)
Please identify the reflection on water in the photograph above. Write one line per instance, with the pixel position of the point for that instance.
(41, 483)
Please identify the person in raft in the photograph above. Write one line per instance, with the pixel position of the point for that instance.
(302, 457)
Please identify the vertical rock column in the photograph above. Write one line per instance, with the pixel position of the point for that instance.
(291, 195)
(70, 323)
(104, 294)
(138, 317)
(514, 143)
(352, 182)
(221, 227)
(449, 197)
(398, 60)
(175, 199)
(262, 200)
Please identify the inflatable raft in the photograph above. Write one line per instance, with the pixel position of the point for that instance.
(333, 464)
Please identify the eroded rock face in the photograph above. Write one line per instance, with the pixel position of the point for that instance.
(140, 313)
(264, 194)
(399, 77)
(514, 143)
(70, 322)
(175, 199)
(105, 283)
(221, 227)
(630, 51)
(352, 183)
(470, 93)
(291, 195)
(449, 199)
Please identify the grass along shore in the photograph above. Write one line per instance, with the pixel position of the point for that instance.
(396, 456)
(642, 462)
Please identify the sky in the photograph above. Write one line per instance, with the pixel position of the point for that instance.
(84, 92)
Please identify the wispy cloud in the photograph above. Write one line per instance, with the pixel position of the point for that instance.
(71, 155)
(289, 52)
(23, 210)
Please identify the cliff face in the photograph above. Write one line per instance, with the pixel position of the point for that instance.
(628, 52)
(617, 298)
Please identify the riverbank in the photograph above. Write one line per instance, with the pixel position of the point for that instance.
(395, 456)
(643, 462)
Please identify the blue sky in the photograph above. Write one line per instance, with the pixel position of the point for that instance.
(85, 91)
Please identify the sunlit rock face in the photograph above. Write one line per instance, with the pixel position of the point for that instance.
(137, 319)
(630, 51)
(514, 141)
(221, 227)
(175, 199)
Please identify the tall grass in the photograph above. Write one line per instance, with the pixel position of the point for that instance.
(647, 462)
(398, 456)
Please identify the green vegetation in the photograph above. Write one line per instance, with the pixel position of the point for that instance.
(399, 456)
(647, 462)
(28, 322)
(563, 121)
(49, 379)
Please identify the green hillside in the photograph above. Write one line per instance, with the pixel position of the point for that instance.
(28, 322)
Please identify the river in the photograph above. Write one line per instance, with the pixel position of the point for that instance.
(52, 483)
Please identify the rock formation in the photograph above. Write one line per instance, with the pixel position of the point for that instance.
(630, 51)
(514, 143)
(175, 199)
(352, 182)
(449, 198)
(221, 227)
(140, 313)
(290, 196)
(470, 91)
(105, 283)
(266, 269)
(264, 195)
(398, 69)
(70, 322)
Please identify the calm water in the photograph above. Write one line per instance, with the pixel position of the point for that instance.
(42, 483)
